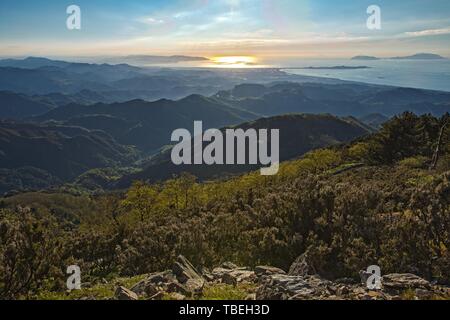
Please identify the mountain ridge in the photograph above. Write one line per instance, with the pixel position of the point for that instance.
(299, 134)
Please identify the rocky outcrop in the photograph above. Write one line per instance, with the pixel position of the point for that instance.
(232, 275)
(394, 287)
(188, 276)
(286, 287)
(153, 283)
(405, 281)
(184, 281)
(299, 284)
(302, 267)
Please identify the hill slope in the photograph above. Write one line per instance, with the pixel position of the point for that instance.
(19, 106)
(64, 152)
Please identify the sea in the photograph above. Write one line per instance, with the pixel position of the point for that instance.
(424, 74)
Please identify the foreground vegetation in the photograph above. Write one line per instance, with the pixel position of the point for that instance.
(384, 200)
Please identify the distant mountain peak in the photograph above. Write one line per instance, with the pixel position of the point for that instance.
(421, 56)
(417, 56)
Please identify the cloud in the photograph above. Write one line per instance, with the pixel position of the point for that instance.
(430, 32)
(151, 21)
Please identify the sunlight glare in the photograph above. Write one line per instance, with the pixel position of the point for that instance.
(234, 61)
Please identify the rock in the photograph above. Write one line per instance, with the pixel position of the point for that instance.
(266, 271)
(207, 275)
(251, 297)
(187, 275)
(243, 275)
(218, 273)
(184, 270)
(177, 296)
(375, 294)
(303, 294)
(423, 294)
(348, 281)
(195, 286)
(158, 296)
(160, 277)
(123, 293)
(176, 287)
(403, 281)
(149, 285)
(286, 287)
(342, 291)
(233, 277)
(227, 278)
(301, 266)
(228, 265)
(364, 275)
(144, 287)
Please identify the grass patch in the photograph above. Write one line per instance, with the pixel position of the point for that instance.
(96, 292)
(228, 292)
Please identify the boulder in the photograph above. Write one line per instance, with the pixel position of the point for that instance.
(229, 266)
(233, 276)
(403, 281)
(267, 271)
(176, 287)
(227, 278)
(302, 266)
(364, 276)
(207, 275)
(250, 297)
(123, 293)
(423, 294)
(286, 287)
(149, 286)
(195, 286)
(218, 273)
(243, 275)
(188, 276)
(184, 270)
(177, 296)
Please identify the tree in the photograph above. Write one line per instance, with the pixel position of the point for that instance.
(437, 153)
(187, 182)
(141, 199)
(31, 247)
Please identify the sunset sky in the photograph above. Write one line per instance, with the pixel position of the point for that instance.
(259, 28)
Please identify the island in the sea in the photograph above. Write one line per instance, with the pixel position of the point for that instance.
(336, 68)
(418, 56)
(367, 58)
(421, 56)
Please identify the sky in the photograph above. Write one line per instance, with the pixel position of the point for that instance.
(261, 28)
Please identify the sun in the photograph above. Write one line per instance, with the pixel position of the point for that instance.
(234, 61)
